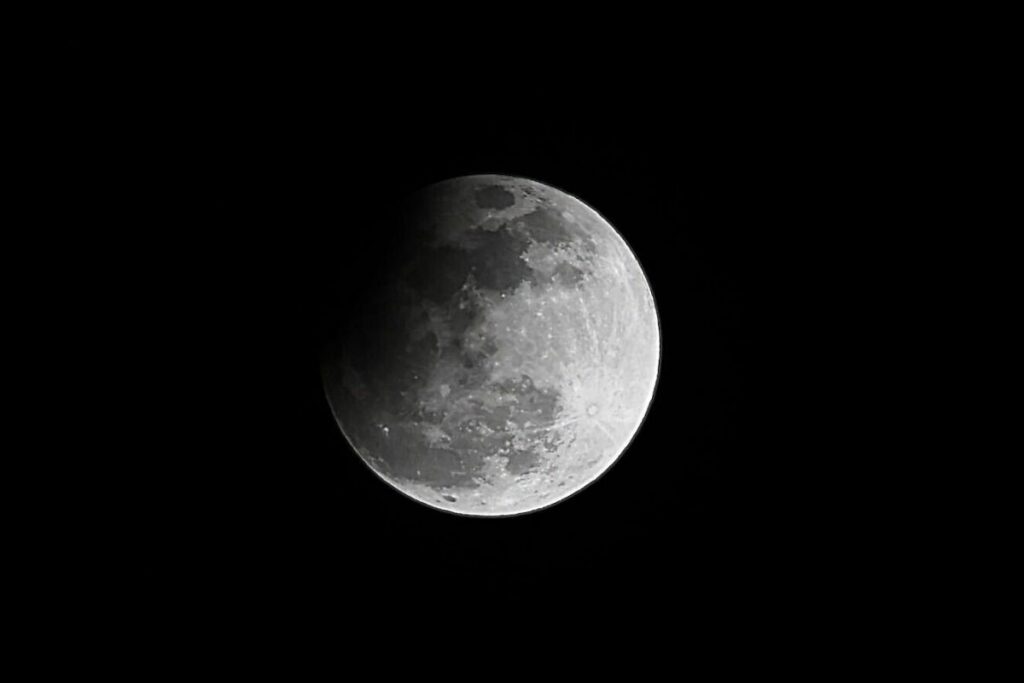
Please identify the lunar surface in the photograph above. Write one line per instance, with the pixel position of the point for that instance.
(508, 356)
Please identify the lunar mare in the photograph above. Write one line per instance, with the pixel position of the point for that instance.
(509, 356)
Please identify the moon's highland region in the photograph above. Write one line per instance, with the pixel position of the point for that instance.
(509, 355)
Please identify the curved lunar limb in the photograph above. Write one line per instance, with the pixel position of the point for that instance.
(509, 358)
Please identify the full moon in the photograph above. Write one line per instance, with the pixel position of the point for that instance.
(508, 355)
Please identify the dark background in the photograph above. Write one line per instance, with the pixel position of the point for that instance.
(256, 189)
(687, 192)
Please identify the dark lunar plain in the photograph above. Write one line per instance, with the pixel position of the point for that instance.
(266, 226)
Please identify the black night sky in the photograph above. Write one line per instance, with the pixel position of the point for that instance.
(684, 194)
(270, 184)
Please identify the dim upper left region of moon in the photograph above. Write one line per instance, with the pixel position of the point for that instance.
(507, 358)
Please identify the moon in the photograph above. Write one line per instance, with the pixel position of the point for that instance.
(508, 354)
